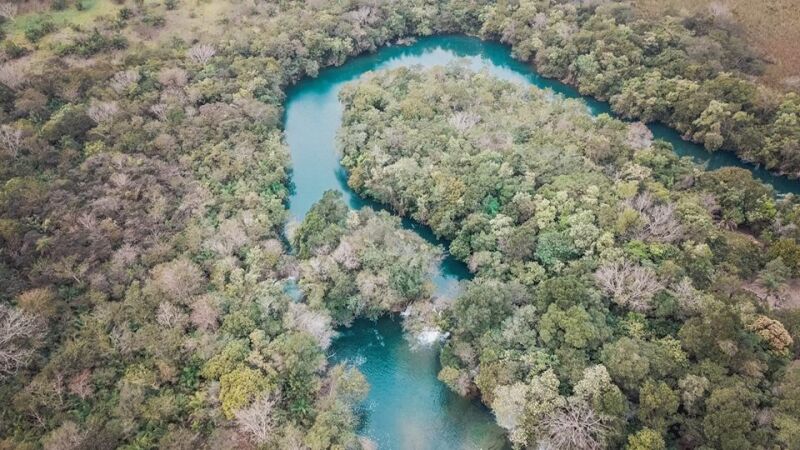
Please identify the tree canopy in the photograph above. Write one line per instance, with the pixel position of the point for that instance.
(608, 306)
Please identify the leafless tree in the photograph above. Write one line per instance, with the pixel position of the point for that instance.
(792, 82)
(257, 421)
(364, 15)
(639, 136)
(229, 237)
(464, 121)
(577, 427)
(87, 221)
(205, 313)
(201, 53)
(509, 405)
(721, 14)
(539, 21)
(124, 256)
(660, 222)
(66, 437)
(509, 34)
(18, 333)
(689, 299)
(122, 339)
(173, 77)
(345, 254)
(101, 112)
(315, 323)
(629, 285)
(120, 180)
(273, 248)
(160, 111)
(590, 2)
(709, 202)
(642, 202)
(57, 387)
(12, 74)
(170, 316)
(11, 140)
(179, 278)
(81, 384)
(122, 81)
(371, 285)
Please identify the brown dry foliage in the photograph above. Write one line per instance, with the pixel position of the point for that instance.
(771, 26)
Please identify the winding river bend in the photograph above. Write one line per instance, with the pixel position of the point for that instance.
(407, 407)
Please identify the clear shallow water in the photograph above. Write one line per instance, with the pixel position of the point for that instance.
(408, 408)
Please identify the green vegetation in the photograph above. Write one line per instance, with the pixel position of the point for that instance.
(363, 266)
(61, 14)
(143, 202)
(142, 205)
(610, 305)
(686, 74)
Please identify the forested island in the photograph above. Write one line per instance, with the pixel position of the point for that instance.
(610, 305)
(156, 293)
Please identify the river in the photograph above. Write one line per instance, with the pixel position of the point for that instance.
(407, 407)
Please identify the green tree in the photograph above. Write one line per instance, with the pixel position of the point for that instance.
(322, 227)
(482, 306)
(729, 418)
(239, 387)
(658, 404)
(646, 439)
(626, 362)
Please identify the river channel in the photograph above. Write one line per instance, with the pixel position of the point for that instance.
(408, 407)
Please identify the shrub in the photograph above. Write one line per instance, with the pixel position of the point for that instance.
(70, 121)
(14, 50)
(92, 44)
(38, 28)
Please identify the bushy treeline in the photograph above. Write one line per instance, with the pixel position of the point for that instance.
(143, 202)
(691, 74)
(613, 302)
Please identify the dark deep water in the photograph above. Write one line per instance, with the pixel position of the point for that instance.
(407, 407)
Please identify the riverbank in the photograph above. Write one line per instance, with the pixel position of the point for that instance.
(312, 118)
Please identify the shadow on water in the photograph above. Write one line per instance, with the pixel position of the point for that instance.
(407, 406)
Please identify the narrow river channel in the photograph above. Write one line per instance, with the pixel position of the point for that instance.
(407, 407)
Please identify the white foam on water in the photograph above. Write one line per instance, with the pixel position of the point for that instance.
(430, 336)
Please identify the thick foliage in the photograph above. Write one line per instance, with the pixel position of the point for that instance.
(608, 306)
(144, 177)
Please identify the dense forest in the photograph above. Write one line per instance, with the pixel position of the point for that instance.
(143, 186)
(612, 303)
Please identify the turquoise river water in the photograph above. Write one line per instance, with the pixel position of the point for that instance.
(408, 407)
